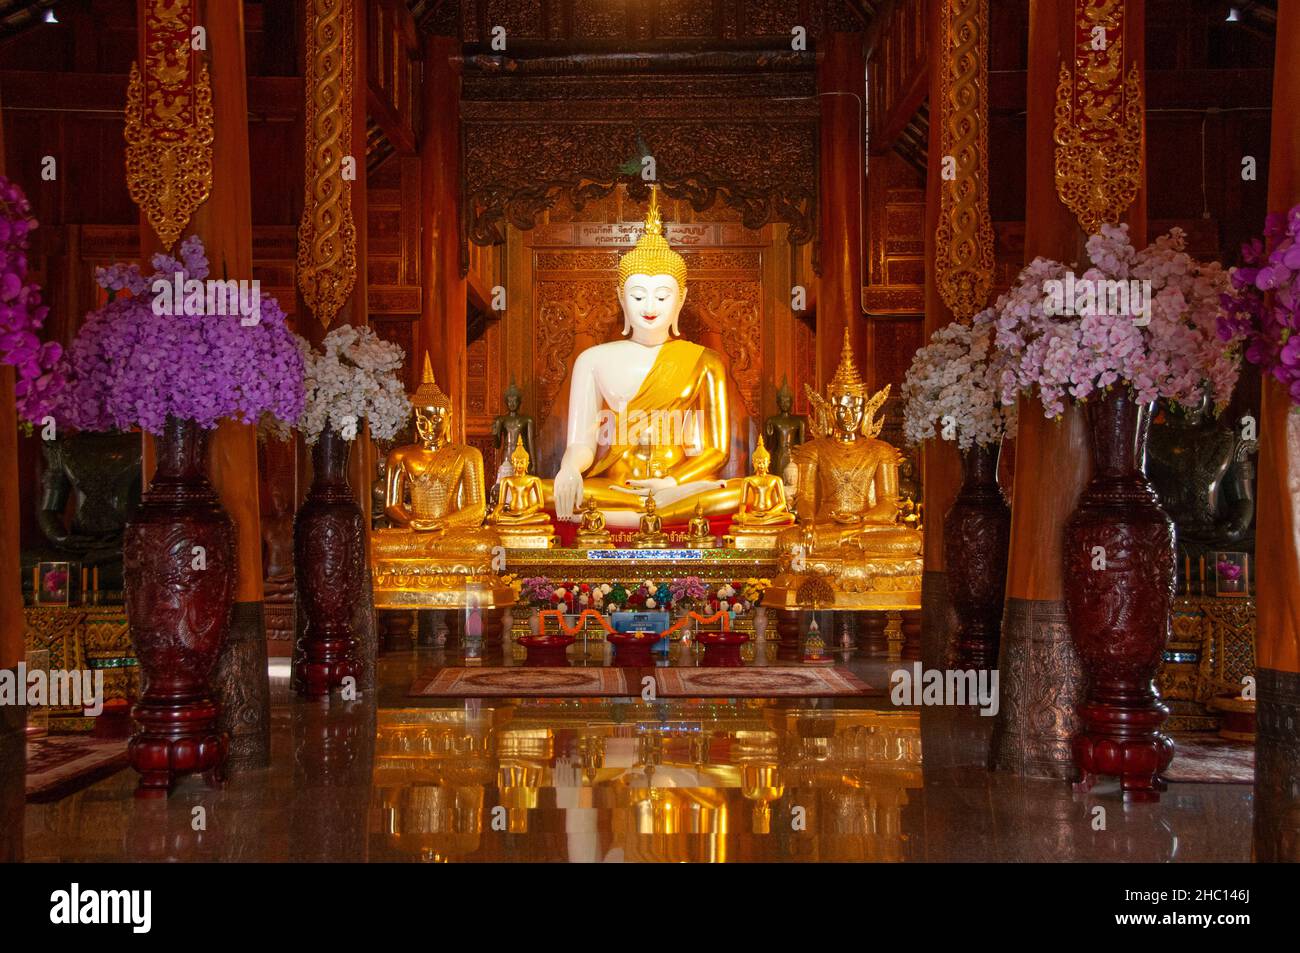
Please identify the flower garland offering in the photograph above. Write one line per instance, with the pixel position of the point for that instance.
(689, 593)
(1146, 320)
(353, 379)
(954, 389)
(39, 378)
(1262, 309)
(134, 364)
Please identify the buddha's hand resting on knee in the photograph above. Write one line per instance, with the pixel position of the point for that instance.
(568, 493)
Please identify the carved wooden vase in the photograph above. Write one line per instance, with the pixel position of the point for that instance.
(330, 565)
(1119, 587)
(976, 535)
(179, 576)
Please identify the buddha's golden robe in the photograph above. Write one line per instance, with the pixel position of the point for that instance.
(683, 403)
(848, 495)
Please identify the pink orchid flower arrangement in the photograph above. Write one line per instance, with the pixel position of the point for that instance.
(1146, 320)
(134, 365)
(39, 379)
(1262, 309)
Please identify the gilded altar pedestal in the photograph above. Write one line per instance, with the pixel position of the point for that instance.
(423, 577)
(865, 584)
(623, 565)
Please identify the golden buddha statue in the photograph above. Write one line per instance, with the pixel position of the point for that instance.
(651, 533)
(519, 516)
(653, 390)
(592, 533)
(848, 504)
(434, 496)
(699, 534)
(763, 511)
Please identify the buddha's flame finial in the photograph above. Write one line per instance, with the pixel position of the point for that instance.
(652, 254)
(847, 380)
(429, 394)
(761, 457)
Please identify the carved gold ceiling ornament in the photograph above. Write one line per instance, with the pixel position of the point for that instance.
(964, 257)
(327, 240)
(1098, 119)
(169, 122)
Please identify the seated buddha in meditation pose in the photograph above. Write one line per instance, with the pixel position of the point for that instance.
(650, 393)
(651, 533)
(519, 516)
(443, 482)
(848, 480)
(592, 533)
(762, 496)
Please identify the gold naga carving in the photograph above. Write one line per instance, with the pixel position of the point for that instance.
(964, 246)
(1099, 119)
(327, 240)
(169, 122)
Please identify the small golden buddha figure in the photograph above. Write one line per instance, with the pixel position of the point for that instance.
(519, 515)
(651, 534)
(699, 534)
(592, 533)
(434, 499)
(764, 511)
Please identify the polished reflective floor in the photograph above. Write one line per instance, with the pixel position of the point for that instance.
(548, 779)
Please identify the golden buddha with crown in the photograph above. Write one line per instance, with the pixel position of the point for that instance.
(648, 414)
(438, 553)
(848, 507)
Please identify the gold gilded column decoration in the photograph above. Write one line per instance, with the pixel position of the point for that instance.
(169, 122)
(964, 238)
(1098, 119)
(327, 240)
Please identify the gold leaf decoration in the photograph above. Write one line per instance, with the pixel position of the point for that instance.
(327, 241)
(964, 245)
(1099, 118)
(169, 123)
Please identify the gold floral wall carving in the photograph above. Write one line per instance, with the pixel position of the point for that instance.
(1099, 119)
(964, 246)
(169, 122)
(327, 248)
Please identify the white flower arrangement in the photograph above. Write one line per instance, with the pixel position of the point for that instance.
(354, 379)
(953, 390)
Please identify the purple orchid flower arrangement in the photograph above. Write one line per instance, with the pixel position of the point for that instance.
(39, 379)
(1263, 307)
(132, 366)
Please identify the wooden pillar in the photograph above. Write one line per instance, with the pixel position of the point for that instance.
(1041, 677)
(224, 222)
(1277, 636)
(840, 71)
(443, 315)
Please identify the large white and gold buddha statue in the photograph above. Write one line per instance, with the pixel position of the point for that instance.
(651, 382)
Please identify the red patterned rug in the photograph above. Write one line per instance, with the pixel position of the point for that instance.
(1209, 759)
(497, 682)
(757, 682)
(57, 765)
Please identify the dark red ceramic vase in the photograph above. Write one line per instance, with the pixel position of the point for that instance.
(329, 564)
(976, 535)
(179, 577)
(1119, 588)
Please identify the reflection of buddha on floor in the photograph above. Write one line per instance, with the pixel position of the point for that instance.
(518, 516)
(848, 479)
(443, 482)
